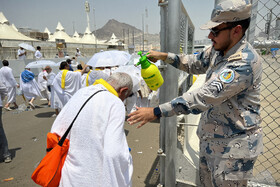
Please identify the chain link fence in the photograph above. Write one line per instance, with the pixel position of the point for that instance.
(266, 41)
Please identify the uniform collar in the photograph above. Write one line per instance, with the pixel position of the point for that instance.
(236, 47)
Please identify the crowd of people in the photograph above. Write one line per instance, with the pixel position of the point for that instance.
(22, 54)
(59, 89)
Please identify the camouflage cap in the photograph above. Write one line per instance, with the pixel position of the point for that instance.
(229, 11)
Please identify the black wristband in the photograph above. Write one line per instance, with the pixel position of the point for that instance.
(157, 112)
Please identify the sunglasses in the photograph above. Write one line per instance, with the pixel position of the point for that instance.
(216, 32)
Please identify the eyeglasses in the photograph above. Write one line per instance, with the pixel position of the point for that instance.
(216, 32)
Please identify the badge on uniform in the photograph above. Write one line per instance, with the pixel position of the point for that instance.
(227, 76)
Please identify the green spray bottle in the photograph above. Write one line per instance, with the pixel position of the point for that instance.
(150, 72)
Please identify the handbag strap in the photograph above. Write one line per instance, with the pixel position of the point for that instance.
(61, 141)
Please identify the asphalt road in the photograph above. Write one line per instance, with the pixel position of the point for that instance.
(26, 133)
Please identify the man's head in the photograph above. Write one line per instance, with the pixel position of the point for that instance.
(39, 48)
(5, 63)
(69, 61)
(79, 66)
(48, 69)
(122, 83)
(21, 48)
(229, 21)
(77, 49)
(64, 65)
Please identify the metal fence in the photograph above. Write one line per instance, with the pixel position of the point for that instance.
(264, 34)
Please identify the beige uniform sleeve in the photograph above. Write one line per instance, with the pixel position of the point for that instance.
(224, 83)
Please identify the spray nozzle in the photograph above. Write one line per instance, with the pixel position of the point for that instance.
(143, 60)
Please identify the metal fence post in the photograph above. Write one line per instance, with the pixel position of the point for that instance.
(251, 31)
(163, 44)
(169, 91)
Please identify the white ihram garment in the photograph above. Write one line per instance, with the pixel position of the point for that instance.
(38, 55)
(30, 89)
(3, 90)
(43, 84)
(22, 57)
(50, 78)
(10, 82)
(83, 79)
(98, 154)
(61, 96)
(93, 76)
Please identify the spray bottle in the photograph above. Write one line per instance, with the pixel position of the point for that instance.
(150, 73)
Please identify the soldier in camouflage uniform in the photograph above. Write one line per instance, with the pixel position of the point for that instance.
(229, 101)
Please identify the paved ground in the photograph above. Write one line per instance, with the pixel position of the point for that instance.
(26, 133)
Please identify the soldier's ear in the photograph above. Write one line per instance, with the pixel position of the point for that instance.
(237, 31)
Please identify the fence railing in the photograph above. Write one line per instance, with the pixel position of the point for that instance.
(264, 35)
(266, 40)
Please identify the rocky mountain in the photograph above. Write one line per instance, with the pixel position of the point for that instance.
(123, 30)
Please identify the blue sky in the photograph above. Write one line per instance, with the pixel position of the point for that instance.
(39, 14)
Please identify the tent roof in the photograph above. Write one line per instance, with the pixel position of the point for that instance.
(87, 31)
(9, 33)
(47, 31)
(88, 37)
(3, 19)
(59, 27)
(61, 34)
(76, 35)
(14, 27)
(113, 40)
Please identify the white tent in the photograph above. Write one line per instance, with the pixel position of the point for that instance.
(88, 37)
(61, 34)
(14, 27)
(113, 40)
(9, 33)
(47, 31)
(76, 36)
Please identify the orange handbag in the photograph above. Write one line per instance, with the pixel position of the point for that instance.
(48, 172)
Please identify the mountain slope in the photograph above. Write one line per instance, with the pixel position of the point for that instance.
(113, 26)
(122, 30)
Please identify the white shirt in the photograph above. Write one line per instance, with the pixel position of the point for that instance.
(98, 154)
(38, 54)
(78, 54)
(8, 77)
(42, 83)
(22, 57)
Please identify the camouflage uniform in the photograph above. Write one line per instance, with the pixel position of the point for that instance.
(229, 103)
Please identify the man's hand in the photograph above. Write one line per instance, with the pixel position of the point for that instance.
(156, 55)
(143, 115)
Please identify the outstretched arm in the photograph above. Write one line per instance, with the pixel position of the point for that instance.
(143, 115)
(156, 55)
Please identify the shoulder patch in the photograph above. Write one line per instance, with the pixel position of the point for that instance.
(235, 56)
(227, 76)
